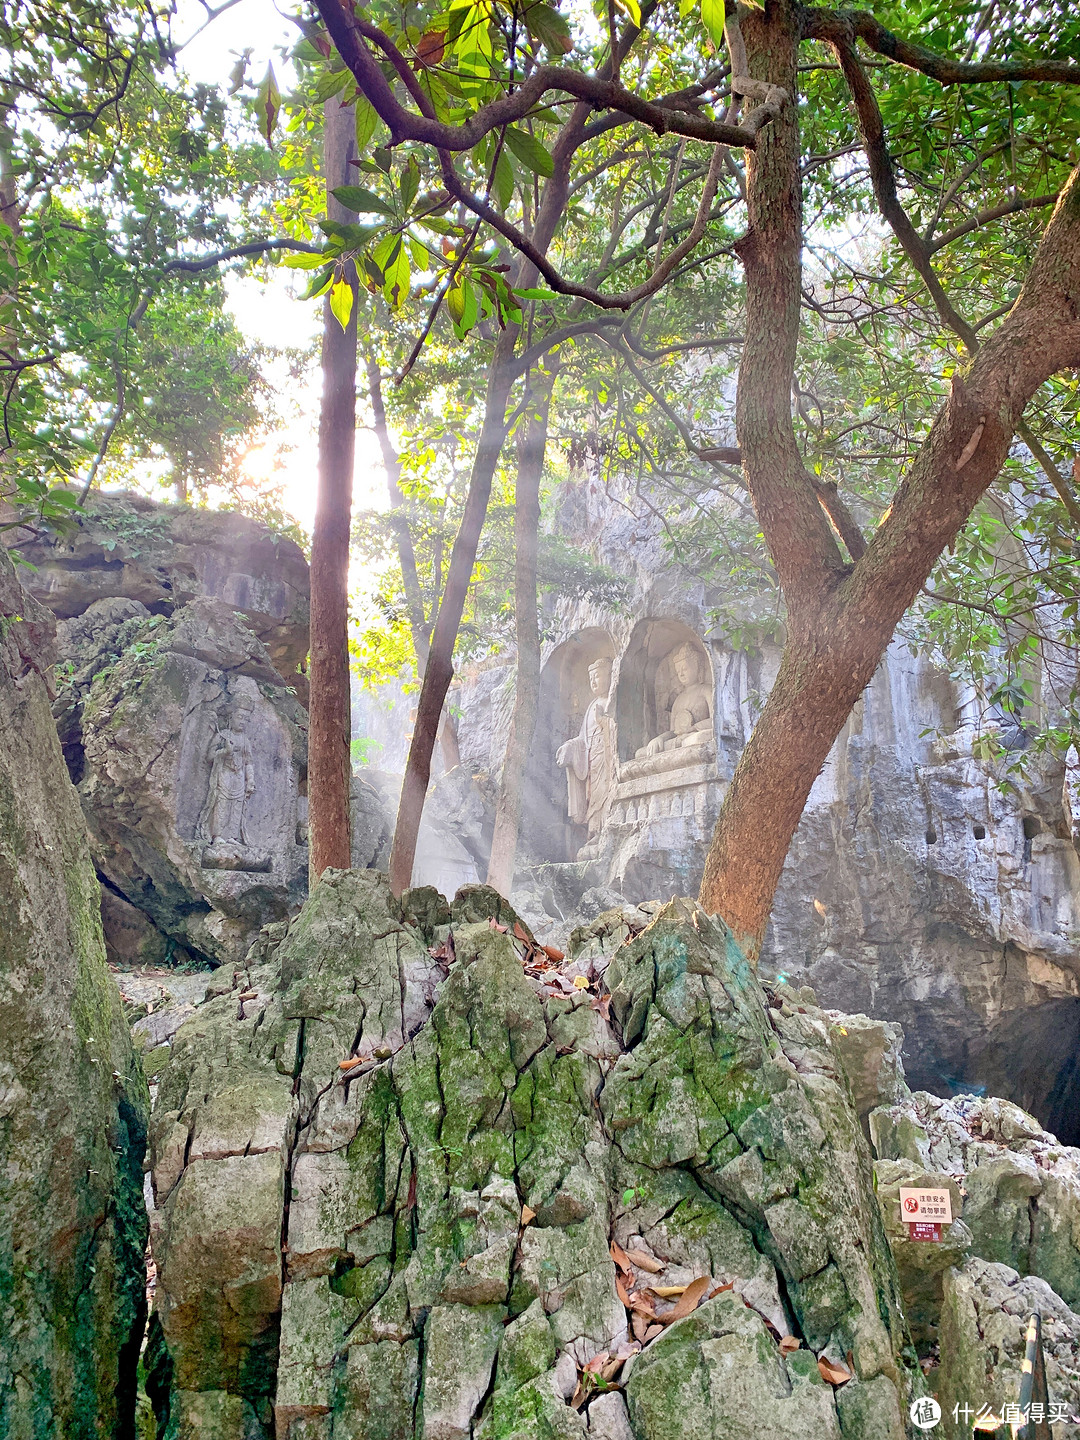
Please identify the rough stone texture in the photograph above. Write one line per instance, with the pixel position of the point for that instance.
(916, 890)
(128, 547)
(346, 1252)
(72, 1100)
(140, 717)
(983, 1325)
(1022, 1188)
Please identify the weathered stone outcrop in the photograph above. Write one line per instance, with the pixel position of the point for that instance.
(1021, 1202)
(163, 718)
(72, 1100)
(128, 547)
(919, 889)
(411, 1179)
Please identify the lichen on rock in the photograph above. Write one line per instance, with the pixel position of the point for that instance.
(413, 1179)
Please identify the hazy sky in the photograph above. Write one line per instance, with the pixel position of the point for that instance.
(267, 312)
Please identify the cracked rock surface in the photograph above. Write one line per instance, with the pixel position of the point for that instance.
(73, 1105)
(415, 1181)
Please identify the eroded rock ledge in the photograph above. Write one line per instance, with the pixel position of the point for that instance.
(393, 1173)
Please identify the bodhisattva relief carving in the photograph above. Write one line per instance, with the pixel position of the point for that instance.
(588, 759)
(691, 719)
(232, 782)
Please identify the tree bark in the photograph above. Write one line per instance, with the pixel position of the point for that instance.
(329, 716)
(531, 447)
(842, 617)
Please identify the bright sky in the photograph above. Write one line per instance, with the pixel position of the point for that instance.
(268, 313)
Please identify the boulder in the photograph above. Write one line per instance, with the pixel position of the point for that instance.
(1021, 1188)
(983, 1325)
(413, 1180)
(73, 1104)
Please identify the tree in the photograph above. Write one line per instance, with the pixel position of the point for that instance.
(843, 595)
(329, 767)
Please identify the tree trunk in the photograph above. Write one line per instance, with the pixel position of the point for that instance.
(440, 667)
(439, 670)
(531, 447)
(410, 579)
(841, 617)
(329, 722)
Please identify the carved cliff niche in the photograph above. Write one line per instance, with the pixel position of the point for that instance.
(565, 696)
(649, 685)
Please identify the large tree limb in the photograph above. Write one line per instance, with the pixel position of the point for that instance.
(675, 117)
(833, 25)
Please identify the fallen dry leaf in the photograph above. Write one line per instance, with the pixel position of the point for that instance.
(667, 1292)
(612, 1368)
(834, 1374)
(720, 1289)
(249, 995)
(788, 1345)
(496, 926)
(619, 1255)
(552, 953)
(353, 1061)
(578, 1397)
(644, 1262)
(820, 908)
(528, 1214)
(581, 982)
(652, 1332)
(597, 1363)
(621, 1290)
(642, 1305)
(688, 1300)
(639, 1324)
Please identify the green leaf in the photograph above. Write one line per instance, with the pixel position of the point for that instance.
(366, 121)
(536, 292)
(268, 104)
(341, 302)
(319, 284)
(712, 17)
(304, 262)
(409, 184)
(633, 9)
(550, 28)
(352, 237)
(529, 151)
(363, 201)
(463, 303)
(330, 83)
(503, 186)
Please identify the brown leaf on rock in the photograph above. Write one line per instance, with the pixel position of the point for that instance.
(597, 1363)
(639, 1325)
(552, 953)
(667, 1292)
(619, 1255)
(411, 1200)
(688, 1301)
(643, 1261)
(502, 929)
(578, 1397)
(652, 1332)
(602, 1005)
(641, 1304)
(789, 1344)
(720, 1289)
(834, 1374)
(621, 1290)
(528, 1214)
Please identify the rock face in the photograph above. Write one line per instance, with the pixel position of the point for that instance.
(72, 1100)
(190, 756)
(127, 547)
(411, 1179)
(917, 890)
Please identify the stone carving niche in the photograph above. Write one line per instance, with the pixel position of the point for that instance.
(665, 708)
(571, 772)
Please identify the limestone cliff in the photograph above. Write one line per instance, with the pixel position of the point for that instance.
(73, 1103)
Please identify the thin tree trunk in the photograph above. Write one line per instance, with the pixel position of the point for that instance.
(410, 578)
(841, 617)
(531, 447)
(439, 670)
(329, 716)
(440, 666)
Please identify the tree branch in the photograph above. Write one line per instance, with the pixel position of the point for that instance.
(1011, 207)
(843, 25)
(674, 115)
